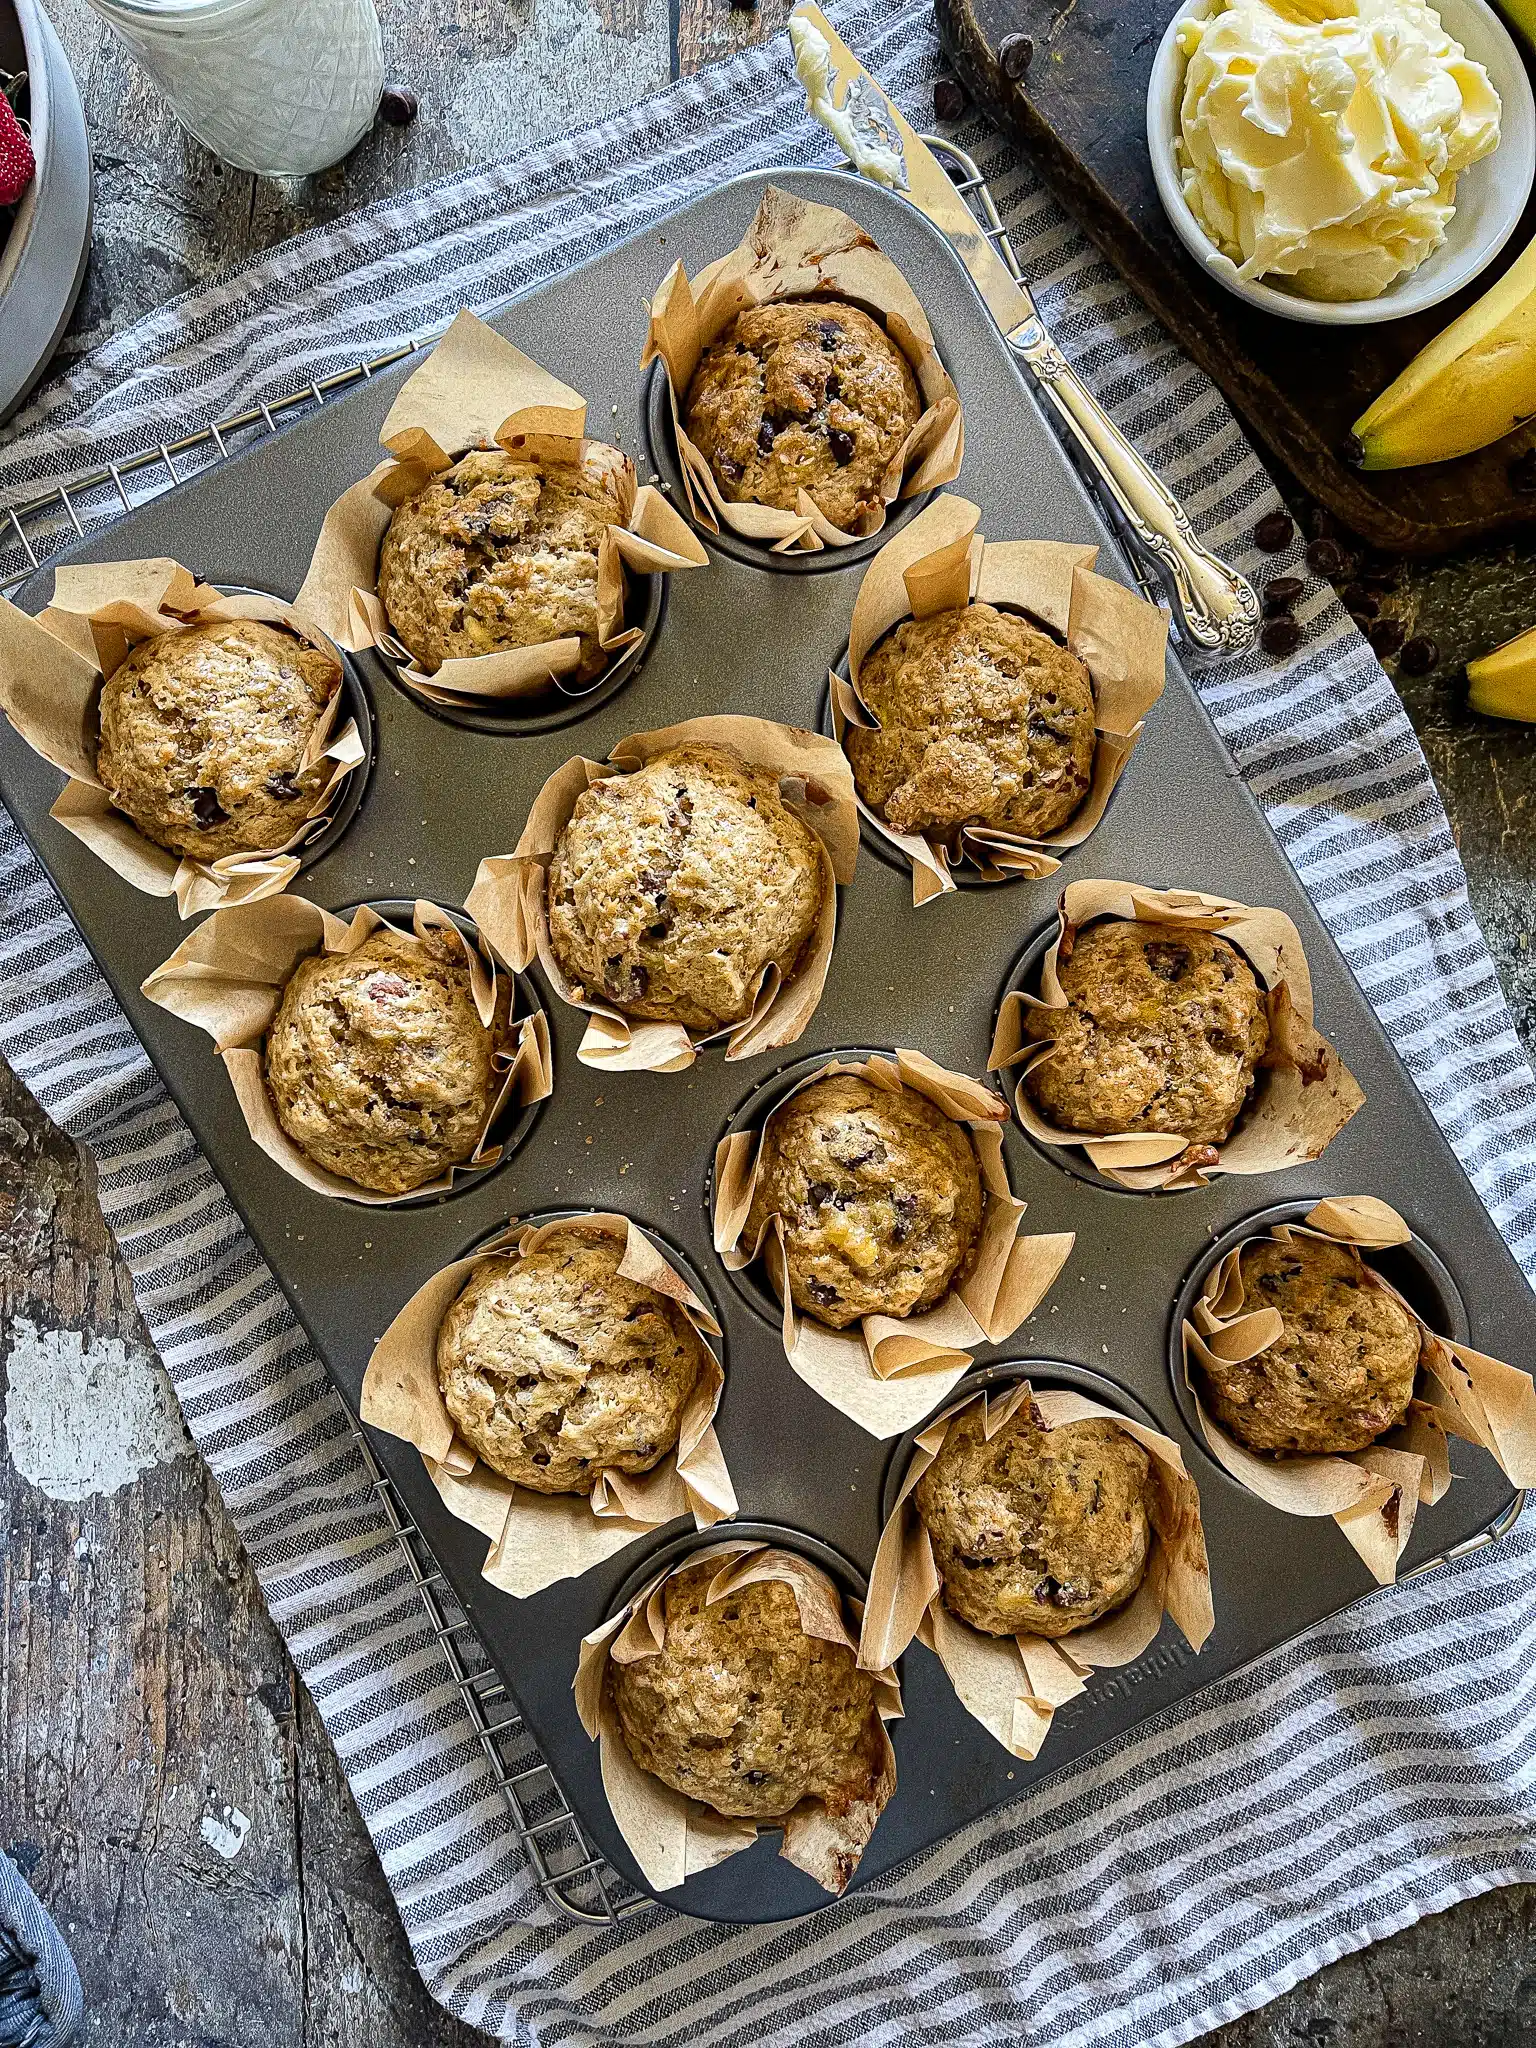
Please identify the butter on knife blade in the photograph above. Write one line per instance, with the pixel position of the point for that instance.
(823, 62)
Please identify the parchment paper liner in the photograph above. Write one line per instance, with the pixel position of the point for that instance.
(537, 1538)
(797, 250)
(476, 390)
(673, 1838)
(886, 1374)
(51, 673)
(1013, 1685)
(1303, 1093)
(1372, 1494)
(509, 898)
(940, 563)
(228, 977)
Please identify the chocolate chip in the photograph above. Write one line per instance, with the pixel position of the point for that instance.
(765, 438)
(752, 1777)
(1419, 656)
(398, 106)
(1282, 592)
(1047, 1591)
(729, 468)
(283, 787)
(206, 808)
(1166, 959)
(841, 444)
(948, 99)
(1522, 472)
(1325, 558)
(819, 1193)
(834, 388)
(821, 1293)
(1386, 637)
(654, 883)
(1280, 637)
(1360, 601)
(1042, 729)
(1015, 54)
(830, 331)
(1275, 532)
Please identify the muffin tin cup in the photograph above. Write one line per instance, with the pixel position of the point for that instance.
(1301, 1094)
(663, 1829)
(538, 1540)
(51, 696)
(563, 703)
(942, 568)
(659, 435)
(1013, 1684)
(1373, 1495)
(222, 975)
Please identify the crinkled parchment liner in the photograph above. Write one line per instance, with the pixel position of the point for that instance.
(1013, 1685)
(228, 978)
(51, 672)
(888, 1373)
(1303, 1093)
(673, 1838)
(509, 898)
(537, 1538)
(940, 563)
(475, 390)
(1372, 1494)
(797, 250)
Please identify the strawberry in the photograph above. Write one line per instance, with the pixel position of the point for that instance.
(18, 166)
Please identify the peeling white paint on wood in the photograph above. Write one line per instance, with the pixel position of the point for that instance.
(224, 1829)
(86, 1415)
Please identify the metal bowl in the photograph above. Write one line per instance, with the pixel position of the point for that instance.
(42, 264)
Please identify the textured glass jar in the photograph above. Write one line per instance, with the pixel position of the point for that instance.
(280, 87)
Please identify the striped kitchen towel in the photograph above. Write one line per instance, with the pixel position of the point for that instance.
(1377, 1771)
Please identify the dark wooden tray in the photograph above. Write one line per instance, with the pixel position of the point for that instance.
(1080, 112)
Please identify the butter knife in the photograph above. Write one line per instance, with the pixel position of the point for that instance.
(1216, 608)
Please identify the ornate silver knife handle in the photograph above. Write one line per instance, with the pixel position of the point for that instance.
(1218, 608)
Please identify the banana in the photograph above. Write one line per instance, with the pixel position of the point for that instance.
(1503, 683)
(1473, 384)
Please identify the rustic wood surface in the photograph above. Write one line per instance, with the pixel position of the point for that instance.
(1080, 109)
(143, 1687)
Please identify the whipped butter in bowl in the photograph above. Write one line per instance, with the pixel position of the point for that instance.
(1341, 167)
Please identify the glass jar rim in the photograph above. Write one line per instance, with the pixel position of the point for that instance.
(174, 15)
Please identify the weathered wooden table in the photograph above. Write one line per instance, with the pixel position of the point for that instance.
(143, 1690)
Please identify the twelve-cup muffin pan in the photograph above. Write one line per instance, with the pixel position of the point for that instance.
(754, 634)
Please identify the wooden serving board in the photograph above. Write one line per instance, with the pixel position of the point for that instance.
(1080, 112)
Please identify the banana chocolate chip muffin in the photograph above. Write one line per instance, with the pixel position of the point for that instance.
(983, 720)
(744, 1711)
(204, 732)
(556, 1368)
(1164, 1027)
(880, 1198)
(803, 395)
(377, 1063)
(500, 551)
(1039, 1531)
(1342, 1371)
(674, 889)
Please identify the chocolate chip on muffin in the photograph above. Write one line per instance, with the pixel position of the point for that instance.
(1036, 1531)
(556, 1368)
(880, 1198)
(675, 889)
(803, 395)
(742, 1710)
(1164, 1027)
(1342, 1371)
(204, 733)
(377, 1064)
(501, 551)
(982, 720)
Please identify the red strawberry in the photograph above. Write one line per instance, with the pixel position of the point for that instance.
(18, 166)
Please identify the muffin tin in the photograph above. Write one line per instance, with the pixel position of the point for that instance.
(758, 635)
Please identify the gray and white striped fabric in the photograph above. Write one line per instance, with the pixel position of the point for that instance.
(1380, 1770)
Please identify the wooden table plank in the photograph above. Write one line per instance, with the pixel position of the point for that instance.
(141, 1681)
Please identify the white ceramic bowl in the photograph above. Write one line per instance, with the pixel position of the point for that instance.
(1490, 197)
